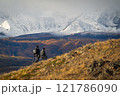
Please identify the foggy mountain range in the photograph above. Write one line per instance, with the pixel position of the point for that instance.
(17, 22)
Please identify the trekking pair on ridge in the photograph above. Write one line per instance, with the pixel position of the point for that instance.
(37, 54)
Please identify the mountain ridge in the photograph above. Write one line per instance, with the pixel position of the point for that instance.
(21, 24)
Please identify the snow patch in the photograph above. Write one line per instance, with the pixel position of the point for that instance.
(5, 25)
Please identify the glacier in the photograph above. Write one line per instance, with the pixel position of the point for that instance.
(21, 24)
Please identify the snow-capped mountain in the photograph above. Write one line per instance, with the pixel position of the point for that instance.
(20, 24)
(23, 24)
(108, 21)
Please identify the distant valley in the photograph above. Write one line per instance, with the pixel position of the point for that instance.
(55, 45)
(10, 63)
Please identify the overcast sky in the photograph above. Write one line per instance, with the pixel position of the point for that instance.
(62, 6)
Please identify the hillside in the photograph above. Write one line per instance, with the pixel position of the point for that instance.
(100, 60)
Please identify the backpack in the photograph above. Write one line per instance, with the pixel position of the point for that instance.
(34, 51)
(43, 53)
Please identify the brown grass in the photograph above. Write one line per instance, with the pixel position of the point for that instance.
(94, 61)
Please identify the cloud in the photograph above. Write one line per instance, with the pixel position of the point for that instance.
(62, 6)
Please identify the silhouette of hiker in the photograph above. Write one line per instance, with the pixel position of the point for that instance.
(43, 55)
(36, 54)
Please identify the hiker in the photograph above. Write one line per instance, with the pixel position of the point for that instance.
(36, 54)
(43, 55)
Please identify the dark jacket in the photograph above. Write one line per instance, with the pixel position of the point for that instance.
(37, 51)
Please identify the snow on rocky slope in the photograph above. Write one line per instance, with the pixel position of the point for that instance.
(20, 24)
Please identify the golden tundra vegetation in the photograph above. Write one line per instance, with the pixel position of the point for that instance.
(98, 61)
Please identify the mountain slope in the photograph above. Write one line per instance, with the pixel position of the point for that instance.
(93, 61)
(107, 21)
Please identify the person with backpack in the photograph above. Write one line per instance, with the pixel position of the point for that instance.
(43, 54)
(36, 54)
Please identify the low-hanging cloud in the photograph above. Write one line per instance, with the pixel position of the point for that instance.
(62, 6)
